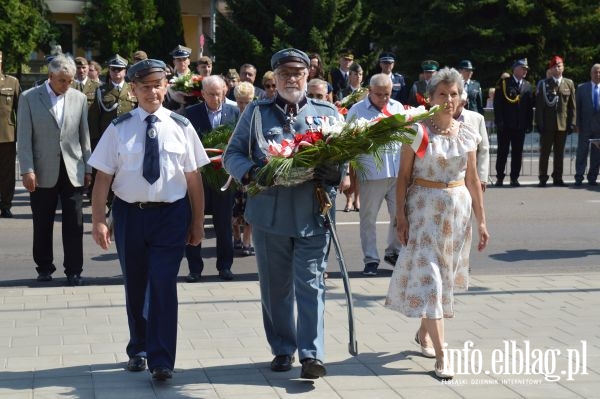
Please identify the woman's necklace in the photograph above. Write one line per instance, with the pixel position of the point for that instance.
(445, 131)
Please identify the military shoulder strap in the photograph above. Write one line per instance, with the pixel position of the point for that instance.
(121, 118)
(180, 119)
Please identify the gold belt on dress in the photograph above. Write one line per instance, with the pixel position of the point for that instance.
(438, 184)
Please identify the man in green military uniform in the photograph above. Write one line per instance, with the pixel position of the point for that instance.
(112, 99)
(472, 87)
(9, 96)
(418, 92)
(82, 82)
(554, 116)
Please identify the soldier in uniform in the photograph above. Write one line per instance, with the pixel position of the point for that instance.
(111, 100)
(82, 82)
(175, 100)
(338, 77)
(290, 238)
(418, 91)
(513, 116)
(9, 96)
(472, 87)
(554, 116)
(399, 88)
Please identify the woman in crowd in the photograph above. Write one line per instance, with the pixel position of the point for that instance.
(268, 82)
(244, 94)
(317, 71)
(437, 192)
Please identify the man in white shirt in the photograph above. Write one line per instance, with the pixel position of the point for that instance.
(378, 181)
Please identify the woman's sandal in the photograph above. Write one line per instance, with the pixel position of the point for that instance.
(425, 350)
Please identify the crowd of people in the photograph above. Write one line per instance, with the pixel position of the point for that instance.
(133, 140)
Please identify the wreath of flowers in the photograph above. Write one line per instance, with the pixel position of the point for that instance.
(292, 161)
(214, 144)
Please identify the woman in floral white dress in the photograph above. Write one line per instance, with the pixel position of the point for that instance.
(437, 192)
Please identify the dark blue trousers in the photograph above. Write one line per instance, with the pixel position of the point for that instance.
(150, 244)
(219, 204)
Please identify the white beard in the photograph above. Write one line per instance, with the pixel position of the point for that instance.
(292, 95)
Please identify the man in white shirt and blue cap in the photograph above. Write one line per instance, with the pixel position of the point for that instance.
(151, 156)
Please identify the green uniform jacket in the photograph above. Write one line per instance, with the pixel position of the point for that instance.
(9, 98)
(109, 104)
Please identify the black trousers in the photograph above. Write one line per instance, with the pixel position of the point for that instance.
(512, 139)
(43, 208)
(220, 205)
(8, 155)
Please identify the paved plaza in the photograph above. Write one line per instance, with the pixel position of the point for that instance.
(64, 342)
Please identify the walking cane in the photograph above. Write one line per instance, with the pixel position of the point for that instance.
(325, 206)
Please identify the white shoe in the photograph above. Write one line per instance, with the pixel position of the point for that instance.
(426, 351)
(442, 372)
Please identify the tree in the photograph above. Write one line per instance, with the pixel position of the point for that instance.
(155, 42)
(492, 34)
(19, 39)
(115, 26)
(253, 31)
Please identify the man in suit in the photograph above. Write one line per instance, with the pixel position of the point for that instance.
(9, 97)
(399, 88)
(418, 91)
(290, 239)
(554, 116)
(338, 77)
(53, 148)
(248, 74)
(82, 82)
(477, 122)
(472, 87)
(513, 114)
(588, 127)
(205, 117)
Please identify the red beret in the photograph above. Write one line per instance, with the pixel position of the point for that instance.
(555, 60)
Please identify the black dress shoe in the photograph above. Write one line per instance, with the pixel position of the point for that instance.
(514, 183)
(542, 184)
(559, 183)
(161, 373)
(136, 363)
(593, 183)
(74, 280)
(44, 277)
(282, 363)
(6, 213)
(499, 183)
(193, 277)
(312, 369)
(226, 275)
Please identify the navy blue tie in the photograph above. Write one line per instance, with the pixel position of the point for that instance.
(151, 157)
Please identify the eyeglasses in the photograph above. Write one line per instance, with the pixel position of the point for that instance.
(272, 86)
(116, 69)
(289, 75)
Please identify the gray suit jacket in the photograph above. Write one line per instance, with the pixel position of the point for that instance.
(41, 141)
(477, 122)
(588, 119)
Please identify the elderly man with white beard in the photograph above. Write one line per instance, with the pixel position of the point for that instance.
(290, 238)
